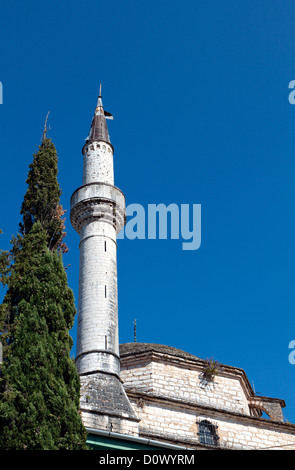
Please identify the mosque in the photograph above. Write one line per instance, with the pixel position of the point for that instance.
(138, 396)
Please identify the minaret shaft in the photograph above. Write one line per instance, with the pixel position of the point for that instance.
(97, 346)
(97, 211)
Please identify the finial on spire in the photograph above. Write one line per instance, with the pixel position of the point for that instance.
(99, 100)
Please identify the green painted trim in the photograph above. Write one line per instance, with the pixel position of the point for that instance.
(109, 443)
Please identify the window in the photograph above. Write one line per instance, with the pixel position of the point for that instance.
(207, 433)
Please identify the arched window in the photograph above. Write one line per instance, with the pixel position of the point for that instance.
(207, 433)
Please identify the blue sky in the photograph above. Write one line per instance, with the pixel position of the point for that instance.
(199, 93)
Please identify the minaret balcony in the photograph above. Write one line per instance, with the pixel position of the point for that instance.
(98, 201)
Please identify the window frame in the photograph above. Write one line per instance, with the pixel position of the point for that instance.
(208, 433)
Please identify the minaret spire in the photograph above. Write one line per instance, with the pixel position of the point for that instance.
(99, 129)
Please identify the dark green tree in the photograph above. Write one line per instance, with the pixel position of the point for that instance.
(39, 384)
(4, 265)
(42, 199)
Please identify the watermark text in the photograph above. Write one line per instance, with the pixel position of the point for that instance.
(158, 221)
(292, 353)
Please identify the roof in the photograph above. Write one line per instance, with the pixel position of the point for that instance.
(127, 349)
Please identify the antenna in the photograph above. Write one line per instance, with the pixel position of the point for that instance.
(134, 323)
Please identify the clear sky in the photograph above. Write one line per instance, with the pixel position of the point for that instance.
(199, 93)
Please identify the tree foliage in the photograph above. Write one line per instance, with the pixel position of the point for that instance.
(39, 384)
(42, 199)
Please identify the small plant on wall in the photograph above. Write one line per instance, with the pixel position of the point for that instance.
(211, 369)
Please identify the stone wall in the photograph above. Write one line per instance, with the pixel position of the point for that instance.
(167, 390)
(173, 381)
(180, 424)
(105, 422)
(104, 404)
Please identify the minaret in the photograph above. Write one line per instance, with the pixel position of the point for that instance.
(98, 214)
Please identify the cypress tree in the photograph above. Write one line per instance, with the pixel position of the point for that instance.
(39, 384)
(42, 199)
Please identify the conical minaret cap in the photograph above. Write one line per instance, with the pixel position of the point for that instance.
(99, 129)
